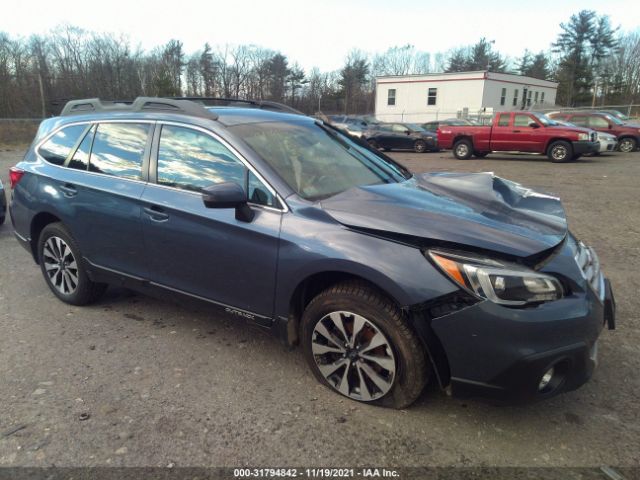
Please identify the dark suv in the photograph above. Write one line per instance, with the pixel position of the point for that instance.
(402, 136)
(386, 279)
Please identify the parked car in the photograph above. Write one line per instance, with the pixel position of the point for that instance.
(354, 126)
(433, 126)
(402, 136)
(619, 115)
(628, 134)
(606, 141)
(386, 279)
(522, 132)
(3, 204)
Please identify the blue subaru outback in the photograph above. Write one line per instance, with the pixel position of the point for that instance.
(387, 280)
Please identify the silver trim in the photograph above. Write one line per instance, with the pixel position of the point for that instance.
(155, 284)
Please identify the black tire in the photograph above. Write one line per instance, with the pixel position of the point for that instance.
(419, 146)
(85, 291)
(627, 145)
(463, 149)
(560, 152)
(480, 154)
(412, 370)
(373, 144)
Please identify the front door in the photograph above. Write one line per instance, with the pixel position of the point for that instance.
(202, 251)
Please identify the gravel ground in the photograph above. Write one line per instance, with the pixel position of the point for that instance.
(140, 382)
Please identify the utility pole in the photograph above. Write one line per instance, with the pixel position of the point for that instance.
(42, 103)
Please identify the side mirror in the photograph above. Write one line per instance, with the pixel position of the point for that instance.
(228, 195)
(534, 125)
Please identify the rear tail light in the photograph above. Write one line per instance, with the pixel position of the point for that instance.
(15, 175)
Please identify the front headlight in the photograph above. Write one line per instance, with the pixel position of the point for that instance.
(583, 136)
(501, 282)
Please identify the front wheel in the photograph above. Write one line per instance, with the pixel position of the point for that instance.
(560, 151)
(62, 267)
(358, 343)
(419, 146)
(627, 145)
(462, 149)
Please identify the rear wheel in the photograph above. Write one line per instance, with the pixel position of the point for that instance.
(463, 149)
(560, 151)
(419, 146)
(358, 343)
(62, 267)
(627, 145)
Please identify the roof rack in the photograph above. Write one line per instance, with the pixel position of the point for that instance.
(140, 104)
(262, 104)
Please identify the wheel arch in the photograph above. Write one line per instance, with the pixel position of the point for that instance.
(38, 223)
(551, 141)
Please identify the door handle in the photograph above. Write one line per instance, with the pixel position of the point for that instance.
(517, 131)
(68, 190)
(157, 214)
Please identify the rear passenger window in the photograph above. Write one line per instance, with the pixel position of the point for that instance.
(598, 122)
(503, 121)
(191, 160)
(80, 159)
(58, 147)
(118, 149)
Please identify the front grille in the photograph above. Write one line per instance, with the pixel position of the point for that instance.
(589, 264)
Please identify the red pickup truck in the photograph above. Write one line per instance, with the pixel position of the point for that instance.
(519, 132)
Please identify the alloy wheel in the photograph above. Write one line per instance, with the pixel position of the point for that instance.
(627, 145)
(353, 355)
(462, 150)
(60, 265)
(559, 152)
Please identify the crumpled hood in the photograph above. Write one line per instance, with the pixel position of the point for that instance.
(476, 209)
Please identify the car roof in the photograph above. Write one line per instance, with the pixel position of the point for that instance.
(230, 116)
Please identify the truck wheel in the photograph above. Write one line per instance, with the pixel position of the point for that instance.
(480, 154)
(358, 343)
(560, 151)
(462, 149)
(627, 145)
(419, 146)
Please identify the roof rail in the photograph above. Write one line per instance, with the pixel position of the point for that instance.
(262, 104)
(140, 104)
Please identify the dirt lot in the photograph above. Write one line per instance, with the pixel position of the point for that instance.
(164, 384)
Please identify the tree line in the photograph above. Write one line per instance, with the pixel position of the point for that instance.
(591, 60)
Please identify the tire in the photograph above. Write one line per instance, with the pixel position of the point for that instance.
(71, 283)
(419, 146)
(463, 149)
(351, 304)
(627, 145)
(480, 154)
(373, 144)
(560, 152)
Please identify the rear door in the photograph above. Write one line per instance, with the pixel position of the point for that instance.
(501, 132)
(207, 252)
(102, 186)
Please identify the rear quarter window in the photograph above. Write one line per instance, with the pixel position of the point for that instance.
(57, 148)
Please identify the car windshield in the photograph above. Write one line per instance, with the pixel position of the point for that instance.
(544, 120)
(316, 161)
(613, 119)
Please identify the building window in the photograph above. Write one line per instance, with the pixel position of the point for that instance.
(431, 99)
(515, 98)
(541, 97)
(536, 98)
(391, 96)
(503, 96)
(529, 99)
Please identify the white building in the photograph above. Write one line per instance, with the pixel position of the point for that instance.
(422, 98)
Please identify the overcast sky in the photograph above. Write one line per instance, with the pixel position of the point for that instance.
(319, 33)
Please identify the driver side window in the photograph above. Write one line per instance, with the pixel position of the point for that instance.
(399, 128)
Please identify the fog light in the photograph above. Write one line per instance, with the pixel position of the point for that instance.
(546, 379)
